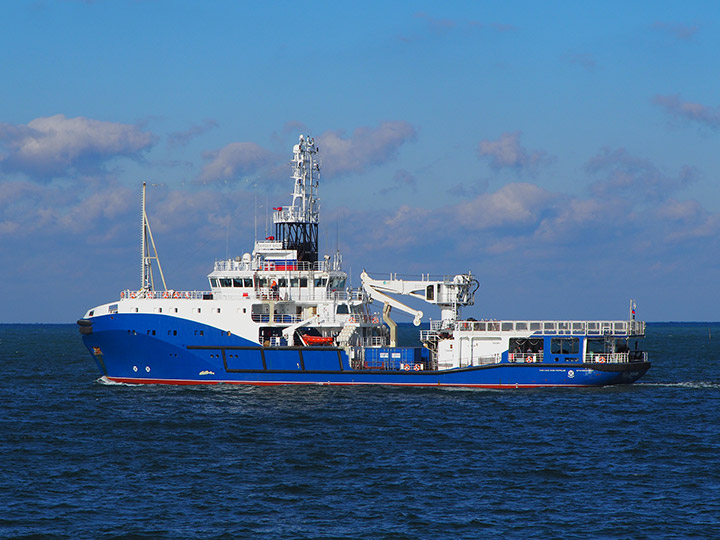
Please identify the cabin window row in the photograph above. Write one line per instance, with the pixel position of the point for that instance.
(335, 283)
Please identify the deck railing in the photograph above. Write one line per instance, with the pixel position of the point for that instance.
(165, 295)
(588, 328)
(263, 293)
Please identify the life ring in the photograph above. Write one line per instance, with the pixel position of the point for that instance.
(417, 367)
(176, 294)
(166, 295)
(406, 367)
(187, 295)
(530, 358)
(375, 320)
(351, 319)
(132, 295)
(601, 360)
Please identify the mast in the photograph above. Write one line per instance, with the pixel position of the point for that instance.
(296, 226)
(147, 282)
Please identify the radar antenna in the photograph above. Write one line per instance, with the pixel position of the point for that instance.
(296, 226)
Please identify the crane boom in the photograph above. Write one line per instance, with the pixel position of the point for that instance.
(450, 294)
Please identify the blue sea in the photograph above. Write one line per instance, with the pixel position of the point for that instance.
(83, 459)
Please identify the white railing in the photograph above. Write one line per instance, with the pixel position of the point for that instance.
(588, 328)
(228, 265)
(525, 358)
(264, 293)
(164, 295)
(616, 358)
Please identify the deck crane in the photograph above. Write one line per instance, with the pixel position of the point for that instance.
(449, 294)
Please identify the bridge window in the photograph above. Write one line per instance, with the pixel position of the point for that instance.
(213, 282)
(320, 282)
(342, 309)
(565, 345)
(225, 282)
(337, 283)
(237, 282)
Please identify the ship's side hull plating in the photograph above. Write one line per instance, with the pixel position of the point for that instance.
(168, 350)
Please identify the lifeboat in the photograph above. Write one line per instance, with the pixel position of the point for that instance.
(318, 340)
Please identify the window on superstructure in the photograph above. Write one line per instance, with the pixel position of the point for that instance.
(303, 282)
(248, 282)
(282, 282)
(342, 309)
(237, 282)
(564, 345)
(213, 282)
(320, 282)
(225, 282)
(337, 283)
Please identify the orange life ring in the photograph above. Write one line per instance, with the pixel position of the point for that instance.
(530, 358)
(176, 294)
(406, 367)
(417, 367)
(601, 360)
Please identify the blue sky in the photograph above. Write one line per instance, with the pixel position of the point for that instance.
(565, 152)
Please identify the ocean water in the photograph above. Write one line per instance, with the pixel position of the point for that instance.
(83, 459)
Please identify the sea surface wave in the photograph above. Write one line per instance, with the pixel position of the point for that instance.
(85, 458)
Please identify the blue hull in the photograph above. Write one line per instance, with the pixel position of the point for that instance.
(178, 351)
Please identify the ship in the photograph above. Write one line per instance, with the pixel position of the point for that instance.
(283, 315)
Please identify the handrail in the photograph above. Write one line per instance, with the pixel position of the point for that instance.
(129, 294)
(262, 293)
(588, 328)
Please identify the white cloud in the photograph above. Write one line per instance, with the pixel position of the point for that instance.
(506, 152)
(57, 146)
(629, 176)
(363, 150)
(234, 161)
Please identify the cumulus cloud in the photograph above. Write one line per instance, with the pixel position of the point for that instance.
(57, 146)
(630, 176)
(513, 205)
(234, 161)
(506, 152)
(685, 110)
(364, 149)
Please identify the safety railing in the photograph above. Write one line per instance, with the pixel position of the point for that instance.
(588, 328)
(227, 265)
(165, 295)
(616, 358)
(525, 358)
(280, 318)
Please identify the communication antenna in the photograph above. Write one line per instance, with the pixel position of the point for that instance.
(147, 280)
